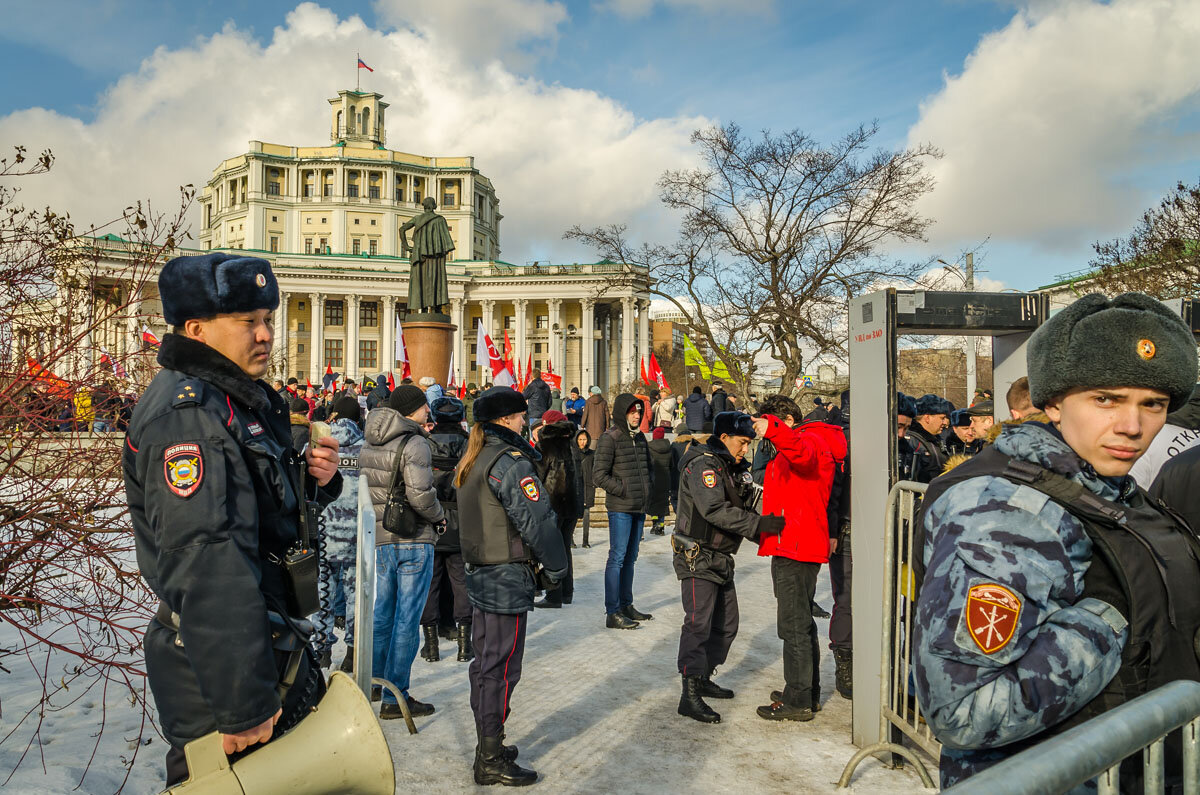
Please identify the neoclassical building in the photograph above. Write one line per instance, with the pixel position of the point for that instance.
(328, 218)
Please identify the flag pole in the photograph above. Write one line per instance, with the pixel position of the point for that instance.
(357, 71)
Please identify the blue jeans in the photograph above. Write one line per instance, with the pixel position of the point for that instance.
(624, 535)
(402, 572)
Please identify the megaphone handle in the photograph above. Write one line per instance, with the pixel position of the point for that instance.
(400, 699)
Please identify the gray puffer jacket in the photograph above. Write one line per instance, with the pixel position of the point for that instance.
(387, 429)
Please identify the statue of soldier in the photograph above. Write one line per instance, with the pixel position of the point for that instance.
(428, 289)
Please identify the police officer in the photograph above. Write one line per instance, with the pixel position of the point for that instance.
(715, 492)
(510, 544)
(929, 456)
(215, 494)
(906, 412)
(1054, 588)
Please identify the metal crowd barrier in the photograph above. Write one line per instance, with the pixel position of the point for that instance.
(1095, 750)
(900, 716)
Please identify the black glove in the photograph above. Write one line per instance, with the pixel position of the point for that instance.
(770, 525)
(544, 581)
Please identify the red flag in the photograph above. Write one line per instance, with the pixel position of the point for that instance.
(148, 336)
(658, 375)
(520, 379)
(529, 370)
(308, 383)
(485, 349)
(549, 366)
(462, 391)
(391, 381)
(554, 381)
(54, 384)
(645, 375)
(508, 354)
(362, 65)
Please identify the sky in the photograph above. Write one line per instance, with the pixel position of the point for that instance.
(1060, 121)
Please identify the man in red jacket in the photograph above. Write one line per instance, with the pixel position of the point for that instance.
(797, 485)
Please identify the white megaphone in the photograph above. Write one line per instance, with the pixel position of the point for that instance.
(338, 748)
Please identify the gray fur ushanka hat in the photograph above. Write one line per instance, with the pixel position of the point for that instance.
(1129, 341)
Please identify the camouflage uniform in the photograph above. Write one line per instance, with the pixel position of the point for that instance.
(340, 527)
(985, 690)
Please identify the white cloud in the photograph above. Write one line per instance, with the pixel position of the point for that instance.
(479, 29)
(1055, 118)
(558, 156)
(635, 9)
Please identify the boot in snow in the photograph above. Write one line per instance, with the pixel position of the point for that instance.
(691, 705)
(429, 652)
(465, 652)
(710, 689)
(844, 678)
(492, 768)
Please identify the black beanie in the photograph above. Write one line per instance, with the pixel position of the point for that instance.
(406, 399)
(346, 407)
(734, 423)
(497, 402)
(299, 406)
(1128, 341)
(215, 284)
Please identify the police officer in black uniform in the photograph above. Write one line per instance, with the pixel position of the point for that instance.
(215, 492)
(716, 495)
(929, 454)
(510, 544)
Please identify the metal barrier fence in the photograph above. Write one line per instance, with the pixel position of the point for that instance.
(1095, 750)
(900, 714)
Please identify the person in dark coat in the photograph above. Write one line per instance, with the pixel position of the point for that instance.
(595, 415)
(697, 410)
(538, 395)
(215, 498)
(682, 443)
(622, 468)
(558, 474)
(586, 457)
(573, 406)
(299, 422)
(663, 463)
(379, 395)
(720, 399)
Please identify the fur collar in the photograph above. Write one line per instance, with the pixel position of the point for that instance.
(198, 360)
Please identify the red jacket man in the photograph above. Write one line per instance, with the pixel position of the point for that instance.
(797, 485)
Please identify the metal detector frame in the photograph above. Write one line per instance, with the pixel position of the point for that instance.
(876, 322)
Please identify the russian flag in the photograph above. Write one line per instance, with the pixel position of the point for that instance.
(362, 65)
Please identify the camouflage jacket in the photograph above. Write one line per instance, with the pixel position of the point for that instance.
(341, 515)
(1005, 647)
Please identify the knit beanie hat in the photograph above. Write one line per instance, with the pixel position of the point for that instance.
(1128, 341)
(659, 433)
(346, 407)
(552, 416)
(406, 399)
(299, 406)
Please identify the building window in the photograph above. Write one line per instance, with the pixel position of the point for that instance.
(324, 220)
(399, 195)
(308, 245)
(356, 222)
(368, 354)
(308, 190)
(475, 321)
(324, 247)
(300, 324)
(542, 321)
(299, 347)
(537, 347)
(272, 188)
(374, 247)
(448, 200)
(368, 314)
(352, 191)
(308, 220)
(334, 312)
(333, 350)
(372, 222)
(373, 191)
(275, 244)
(357, 244)
(510, 321)
(300, 304)
(274, 218)
(328, 188)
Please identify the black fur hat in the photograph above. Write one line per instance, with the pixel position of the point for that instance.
(1128, 341)
(215, 284)
(448, 409)
(734, 423)
(932, 404)
(906, 406)
(497, 402)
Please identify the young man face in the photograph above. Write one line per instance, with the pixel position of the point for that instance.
(902, 423)
(1110, 428)
(964, 434)
(736, 445)
(245, 338)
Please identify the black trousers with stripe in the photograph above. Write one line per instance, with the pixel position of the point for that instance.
(499, 641)
(710, 623)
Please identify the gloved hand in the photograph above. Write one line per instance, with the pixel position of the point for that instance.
(544, 581)
(770, 525)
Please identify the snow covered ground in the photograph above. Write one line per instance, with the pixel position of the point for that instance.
(594, 712)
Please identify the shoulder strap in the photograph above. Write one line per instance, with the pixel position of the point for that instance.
(398, 468)
(1075, 497)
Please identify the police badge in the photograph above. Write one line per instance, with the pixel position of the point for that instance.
(183, 467)
(710, 479)
(991, 615)
(529, 486)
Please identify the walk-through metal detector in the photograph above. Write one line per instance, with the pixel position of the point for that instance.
(876, 322)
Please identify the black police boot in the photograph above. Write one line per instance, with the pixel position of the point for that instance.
(844, 678)
(347, 665)
(339, 622)
(620, 621)
(492, 768)
(325, 659)
(691, 705)
(447, 632)
(818, 611)
(465, 652)
(710, 689)
(552, 599)
(429, 652)
(633, 614)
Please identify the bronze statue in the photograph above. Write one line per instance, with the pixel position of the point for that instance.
(428, 288)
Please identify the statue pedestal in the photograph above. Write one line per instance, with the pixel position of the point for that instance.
(429, 343)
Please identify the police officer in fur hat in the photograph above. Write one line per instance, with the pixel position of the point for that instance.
(216, 492)
(1053, 588)
(925, 437)
(716, 511)
(511, 545)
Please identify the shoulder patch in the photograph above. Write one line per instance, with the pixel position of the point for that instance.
(516, 454)
(530, 487)
(183, 468)
(991, 616)
(187, 393)
(710, 479)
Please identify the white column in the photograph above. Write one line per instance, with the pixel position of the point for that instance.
(387, 334)
(456, 317)
(316, 343)
(626, 371)
(351, 337)
(556, 336)
(522, 355)
(281, 336)
(489, 308)
(587, 357)
(643, 339)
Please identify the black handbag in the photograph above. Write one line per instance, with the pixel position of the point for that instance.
(398, 516)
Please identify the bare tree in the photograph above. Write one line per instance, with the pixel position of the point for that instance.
(778, 233)
(70, 589)
(1161, 256)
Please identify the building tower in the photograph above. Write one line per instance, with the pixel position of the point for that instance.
(357, 119)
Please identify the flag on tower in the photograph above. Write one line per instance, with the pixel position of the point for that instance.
(485, 351)
(363, 65)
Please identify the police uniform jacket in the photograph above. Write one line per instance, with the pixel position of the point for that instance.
(929, 457)
(213, 489)
(511, 478)
(711, 512)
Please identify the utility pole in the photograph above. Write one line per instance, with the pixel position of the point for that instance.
(970, 285)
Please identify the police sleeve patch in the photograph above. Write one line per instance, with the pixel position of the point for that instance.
(530, 487)
(710, 479)
(991, 616)
(183, 468)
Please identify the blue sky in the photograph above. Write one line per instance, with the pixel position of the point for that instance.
(823, 67)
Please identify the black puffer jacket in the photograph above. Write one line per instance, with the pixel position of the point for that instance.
(696, 411)
(557, 469)
(664, 475)
(622, 464)
(583, 464)
(538, 396)
(448, 442)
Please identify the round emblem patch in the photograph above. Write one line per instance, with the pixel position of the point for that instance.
(183, 468)
(710, 479)
(1146, 349)
(529, 486)
(260, 280)
(992, 612)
